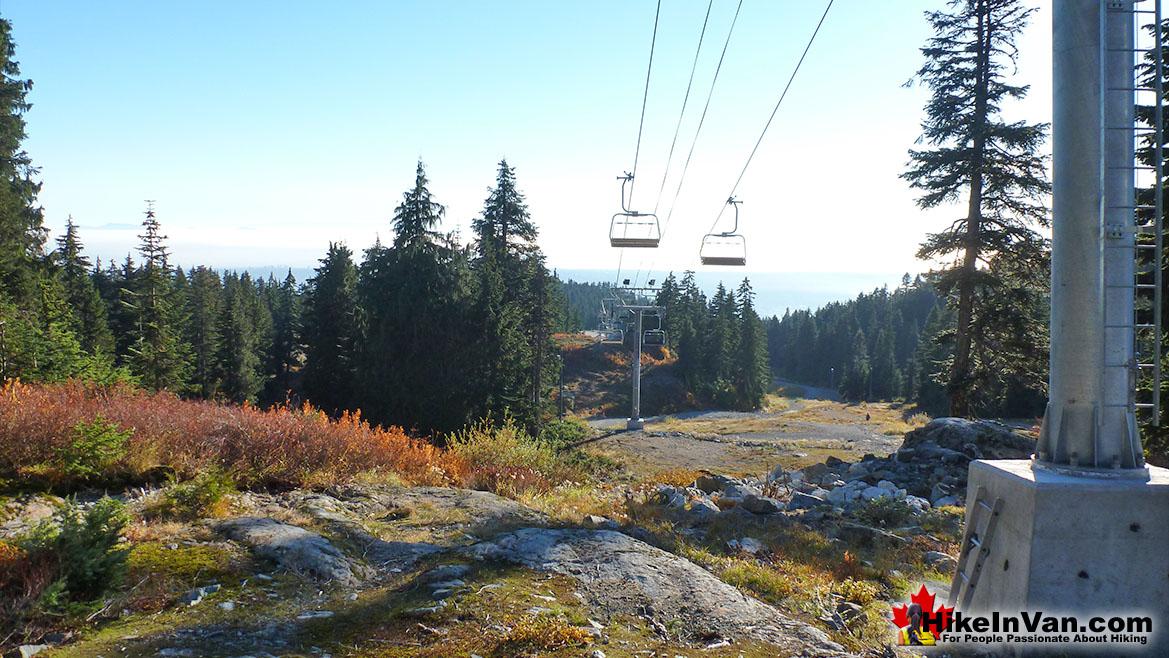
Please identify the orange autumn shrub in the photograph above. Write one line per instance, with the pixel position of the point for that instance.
(281, 446)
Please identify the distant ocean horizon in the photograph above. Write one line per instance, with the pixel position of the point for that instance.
(775, 292)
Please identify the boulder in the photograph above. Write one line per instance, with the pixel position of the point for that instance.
(296, 549)
(815, 471)
(710, 483)
(975, 439)
(703, 506)
(940, 561)
(801, 500)
(917, 504)
(741, 490)
(761, 505)
(873, 493)
(946, 501)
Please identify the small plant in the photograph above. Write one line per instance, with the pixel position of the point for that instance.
(63, 565)
(195, 498)
(861, 592)
(884, 512)
(919, 419)
(544, 633)
(564, 432)
(95, 447)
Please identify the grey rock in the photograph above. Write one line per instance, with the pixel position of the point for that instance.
(710, 483)
(946, 501)
(941, 561)
(986, 438)
(595, 521)
(445, 572)
(801, 500)
(740, 491)
(939, 490)
(917, 504)
(761, 505)
(873, 493)
(626, 577)
(747, 545)
(296, 549)
(226, 606)
(27, 650)
(315, 614)
(703, 507)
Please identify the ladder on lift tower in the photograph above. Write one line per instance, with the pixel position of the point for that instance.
(980, 526)
(1141, 231)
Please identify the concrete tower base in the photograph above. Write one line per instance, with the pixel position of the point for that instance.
(1074, 543)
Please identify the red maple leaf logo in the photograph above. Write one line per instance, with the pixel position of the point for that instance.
(926, 601)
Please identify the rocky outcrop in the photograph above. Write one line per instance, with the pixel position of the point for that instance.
(623, 576)
(295, 549)
(977, 439)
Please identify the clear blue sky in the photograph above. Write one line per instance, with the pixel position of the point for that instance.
(265, 129)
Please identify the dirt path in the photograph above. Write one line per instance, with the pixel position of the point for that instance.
(751, 443)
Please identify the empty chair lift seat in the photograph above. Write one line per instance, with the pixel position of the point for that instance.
(724, 249)
(634, 229)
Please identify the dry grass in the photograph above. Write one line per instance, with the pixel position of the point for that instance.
(278, 447)
(704, 427)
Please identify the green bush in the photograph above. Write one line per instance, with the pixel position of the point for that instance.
(82, 553)
(195, 498)
(884, 512)
(564, 432)
(94, 448)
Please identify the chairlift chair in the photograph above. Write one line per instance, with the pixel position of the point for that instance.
(615, 337)
(630, 228)
(653, 338)
(727, 248)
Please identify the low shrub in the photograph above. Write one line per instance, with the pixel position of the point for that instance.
(884, 512)
(63, 566)
(564, 432)
(197, 498)
(541, 633)
(505, 459)
(95, 447)
(282, 446)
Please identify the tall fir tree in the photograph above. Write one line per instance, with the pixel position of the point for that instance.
(91, 322)
(157, 355)
(997, 166)
(753, 373)
(331, 331)
(204, 292)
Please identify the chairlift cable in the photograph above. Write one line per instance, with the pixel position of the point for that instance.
(644, 98)
(701, 120)
(641, 123)
(685, 99)
(773, 112)
(678, 128)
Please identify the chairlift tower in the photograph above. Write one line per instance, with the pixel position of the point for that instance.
(1083, 527)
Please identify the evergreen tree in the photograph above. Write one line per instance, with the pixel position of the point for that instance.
(286, 351)
(751, 361)
(240, 368)
(91, 323)
(331, 331)
(22, 234)
(997, 165)
(855, 385)
(157, 354)
(204, 291)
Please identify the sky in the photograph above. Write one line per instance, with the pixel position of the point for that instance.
(263, 130)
